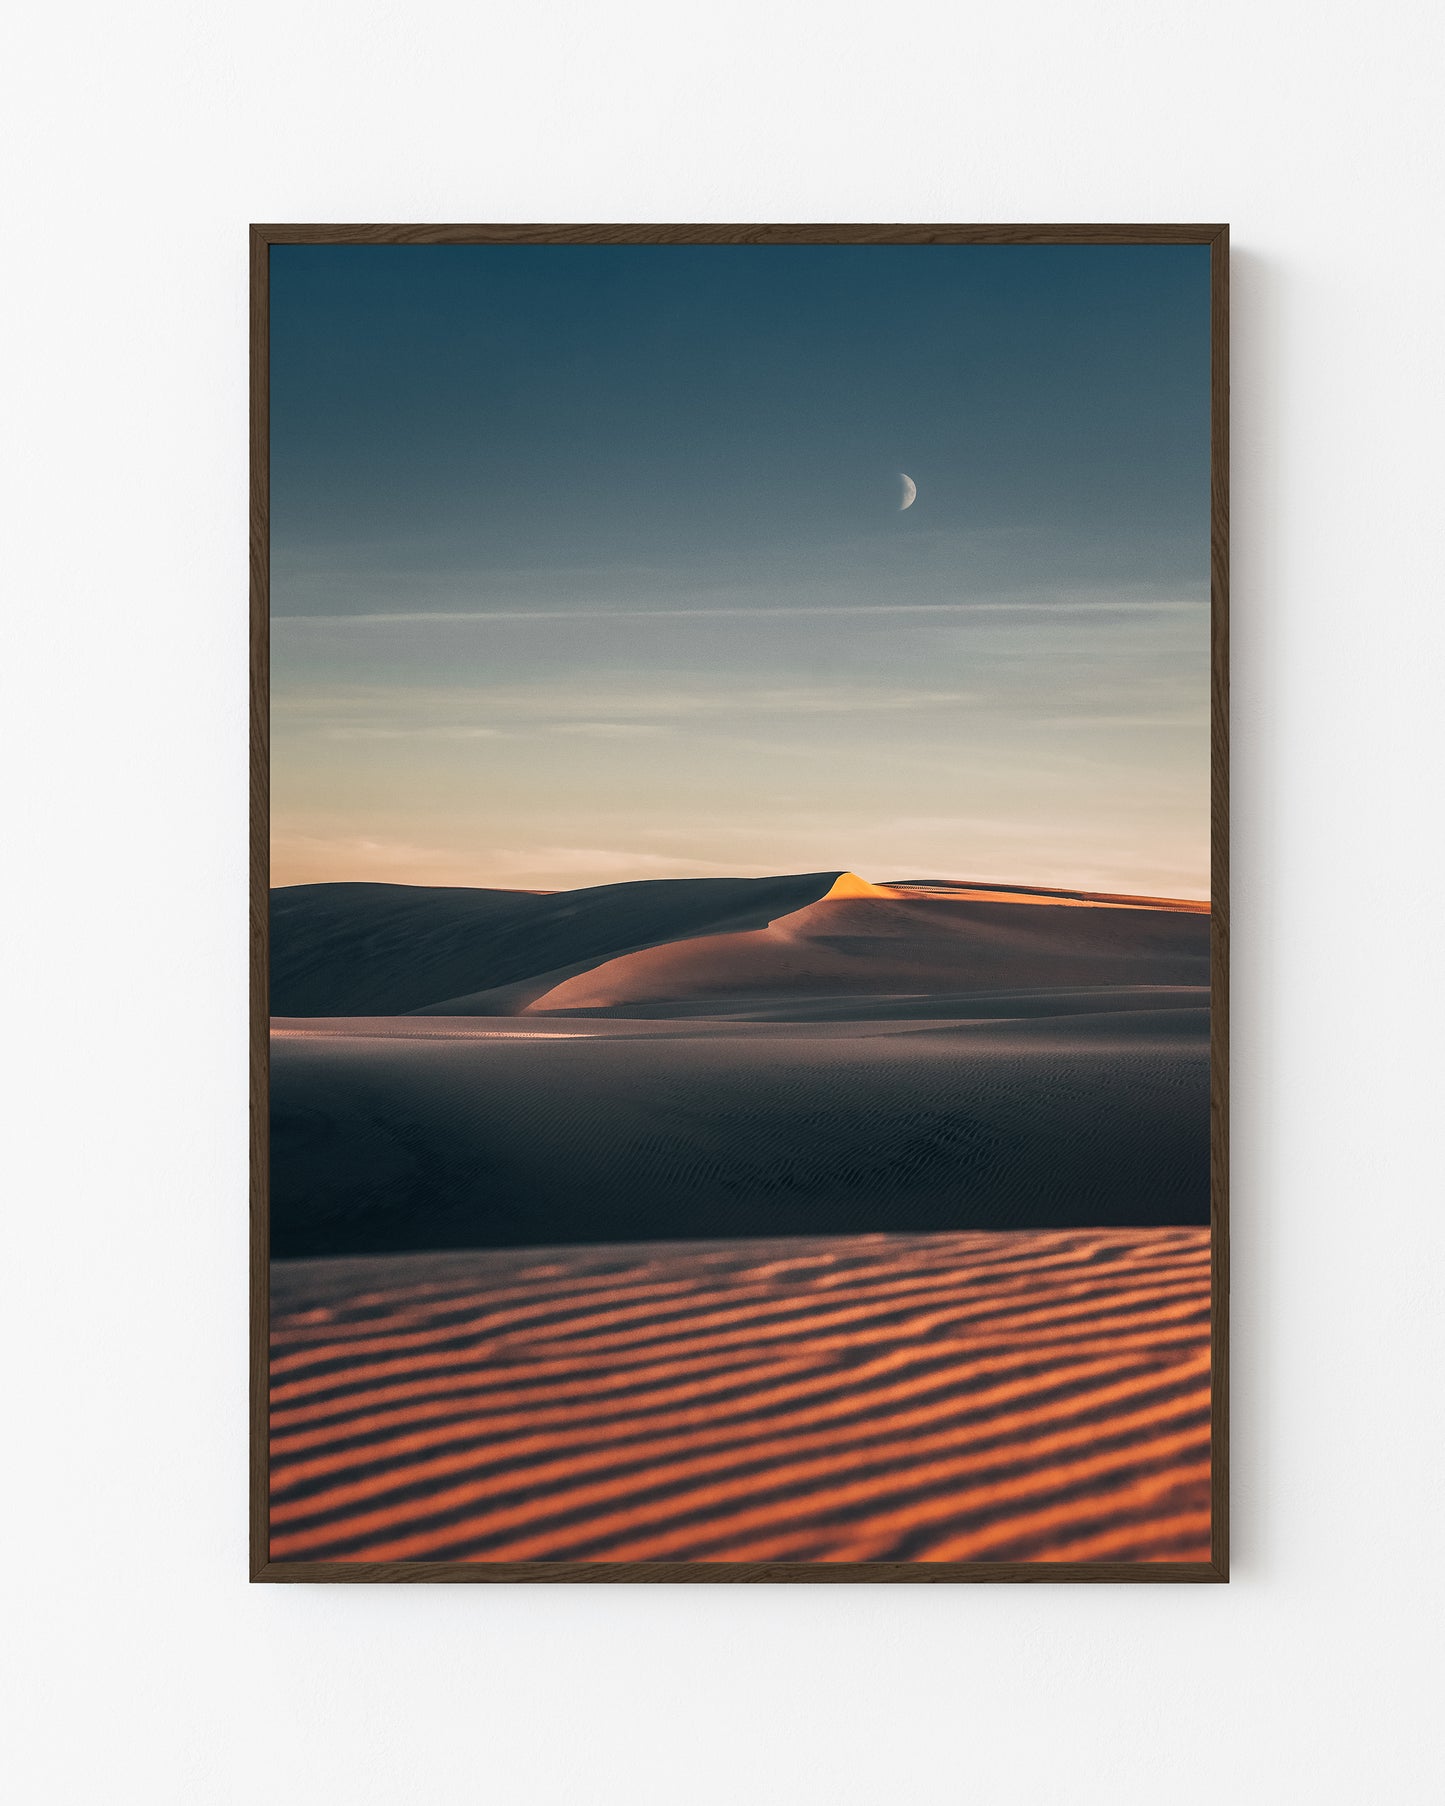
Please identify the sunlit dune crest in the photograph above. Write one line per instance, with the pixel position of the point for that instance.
(945, 890)
(1033, 1395)
(849, 884)
(960, 892)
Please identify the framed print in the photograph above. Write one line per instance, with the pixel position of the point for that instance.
(739, 903)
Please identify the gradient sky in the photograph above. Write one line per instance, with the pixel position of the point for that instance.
(588, 563)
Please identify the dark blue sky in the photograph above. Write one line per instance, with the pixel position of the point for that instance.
(545, 502)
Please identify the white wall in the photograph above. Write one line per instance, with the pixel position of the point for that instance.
(141, 140)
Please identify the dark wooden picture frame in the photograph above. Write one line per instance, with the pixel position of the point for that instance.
(263, 237)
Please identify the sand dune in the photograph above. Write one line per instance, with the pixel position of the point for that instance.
(873, 946)
(382, 949)
(1024, 1396)
(385, 949)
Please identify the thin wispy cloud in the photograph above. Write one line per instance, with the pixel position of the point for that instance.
(628, 713)
(423, 732)
(612, 730)
(759, 613)
(1189, 719)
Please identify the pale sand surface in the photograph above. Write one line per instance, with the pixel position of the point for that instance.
(1030, 1395)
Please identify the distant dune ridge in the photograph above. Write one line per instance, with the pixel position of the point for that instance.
(391, 949)
(731, 1057)
(1029, 1396)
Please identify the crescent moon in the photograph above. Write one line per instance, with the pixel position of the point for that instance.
(910, 490)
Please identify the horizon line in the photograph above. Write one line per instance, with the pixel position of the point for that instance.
(967, 884)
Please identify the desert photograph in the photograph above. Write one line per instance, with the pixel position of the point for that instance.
(739, 904)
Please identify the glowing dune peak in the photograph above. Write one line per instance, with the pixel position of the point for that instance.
(849, 884)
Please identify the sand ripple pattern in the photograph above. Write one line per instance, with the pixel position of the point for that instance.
(1024, 1395)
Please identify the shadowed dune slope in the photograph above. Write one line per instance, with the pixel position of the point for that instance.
(383, 949)
(1026, 1396)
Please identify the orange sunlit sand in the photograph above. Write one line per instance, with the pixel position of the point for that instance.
(849, 884)
(1030, 1395)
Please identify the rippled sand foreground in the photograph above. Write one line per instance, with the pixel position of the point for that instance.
(1025, 1395)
